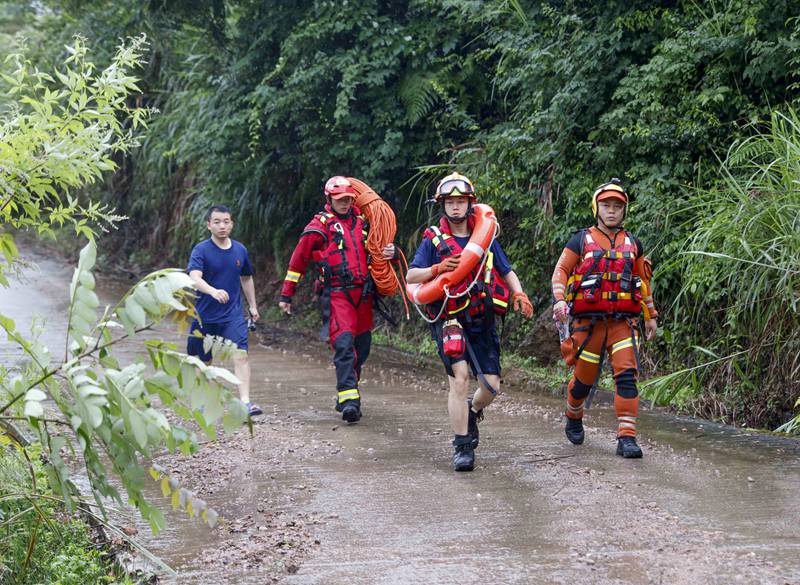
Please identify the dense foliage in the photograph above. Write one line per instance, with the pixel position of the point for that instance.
(65, 553)
(84, 411)
(537, 101)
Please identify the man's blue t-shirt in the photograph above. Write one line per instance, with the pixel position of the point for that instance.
(427, 255)
(221, 269)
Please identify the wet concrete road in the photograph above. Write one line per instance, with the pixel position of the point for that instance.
(707, 504)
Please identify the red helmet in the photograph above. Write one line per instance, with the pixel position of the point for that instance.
(338, 187)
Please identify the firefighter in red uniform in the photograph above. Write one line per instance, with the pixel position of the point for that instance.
(603, 280)
(335, 239)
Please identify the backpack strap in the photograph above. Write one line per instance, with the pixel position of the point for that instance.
(439, 239)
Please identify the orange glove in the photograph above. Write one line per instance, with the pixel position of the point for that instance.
(446, 265)
(523, 303)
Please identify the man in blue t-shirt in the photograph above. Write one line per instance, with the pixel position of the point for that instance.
(464, 326)
(220, 269)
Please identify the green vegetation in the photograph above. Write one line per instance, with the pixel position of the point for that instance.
(87, 413)
(740, 280)
(537, 101)
(39, 541)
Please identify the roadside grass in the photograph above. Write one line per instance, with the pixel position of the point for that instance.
(737, 309)
(40, 542)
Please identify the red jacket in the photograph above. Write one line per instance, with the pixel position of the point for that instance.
(337, 245)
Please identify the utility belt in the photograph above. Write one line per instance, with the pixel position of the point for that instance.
(351, 286)
(323, 289)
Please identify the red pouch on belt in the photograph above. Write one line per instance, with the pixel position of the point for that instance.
(453, 341)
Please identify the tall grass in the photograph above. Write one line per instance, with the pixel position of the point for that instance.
(741, 284)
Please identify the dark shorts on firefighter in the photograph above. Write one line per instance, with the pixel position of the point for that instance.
(235, 331)
(485, 345)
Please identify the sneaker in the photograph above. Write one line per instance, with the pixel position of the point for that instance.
(574, 430)
(472, 424)
(252, 409)
(464, 455)
(627, 448)
(351, 411)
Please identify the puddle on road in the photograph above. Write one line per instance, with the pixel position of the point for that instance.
(393, 512)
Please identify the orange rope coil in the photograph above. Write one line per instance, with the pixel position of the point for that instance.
(382, 230)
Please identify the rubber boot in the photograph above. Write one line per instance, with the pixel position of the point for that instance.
(627, 448)
(351, 411)
(472, 424)
(464, 455)
(574, 430)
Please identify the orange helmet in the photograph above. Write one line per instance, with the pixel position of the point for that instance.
(338, 187)
(455, 185)
(611, 190)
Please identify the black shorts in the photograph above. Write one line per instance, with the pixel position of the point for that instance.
(485, 345)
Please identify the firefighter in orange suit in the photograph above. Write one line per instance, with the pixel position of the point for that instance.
(602, 281)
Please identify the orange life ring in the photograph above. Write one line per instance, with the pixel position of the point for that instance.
(482, 234)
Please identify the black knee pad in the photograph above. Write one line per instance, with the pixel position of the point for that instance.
(626, 384)
(580, 390)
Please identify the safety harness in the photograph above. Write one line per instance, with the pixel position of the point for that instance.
(605, 286)
(490, 296)
(606, 281)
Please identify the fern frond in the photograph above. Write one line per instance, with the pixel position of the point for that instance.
(418, 93)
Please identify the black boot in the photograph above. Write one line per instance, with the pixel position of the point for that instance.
(472, 424)
(464, 456)
(351, 411)
(627, 448)
(574, 430)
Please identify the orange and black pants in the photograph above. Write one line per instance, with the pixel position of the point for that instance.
(617, 340)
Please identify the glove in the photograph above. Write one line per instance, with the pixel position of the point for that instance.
(523, 303)
(446, 265)
(560, 311)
